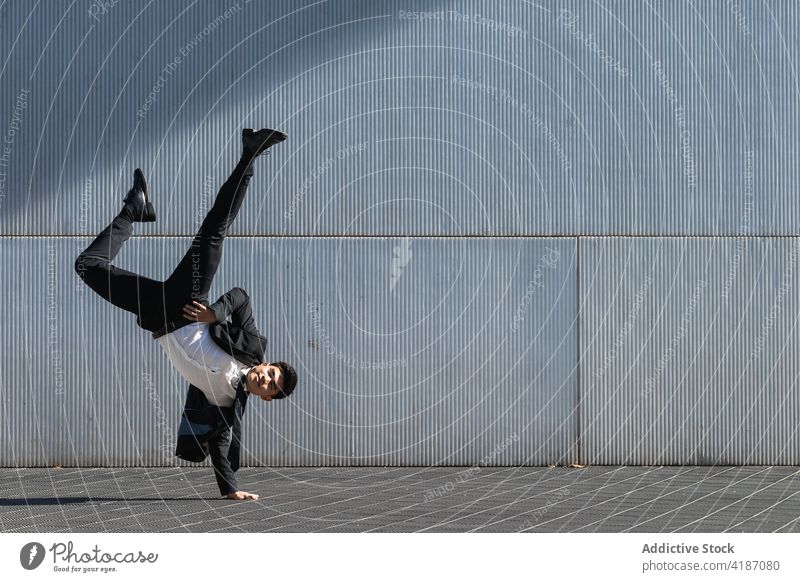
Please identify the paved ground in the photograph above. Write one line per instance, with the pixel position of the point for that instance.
(595, 499)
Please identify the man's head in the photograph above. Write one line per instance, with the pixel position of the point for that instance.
(271, 381)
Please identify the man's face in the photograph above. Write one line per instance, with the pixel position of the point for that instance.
(264, 381)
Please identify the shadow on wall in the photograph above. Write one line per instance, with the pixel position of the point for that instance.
(576, 118)
(163, 86)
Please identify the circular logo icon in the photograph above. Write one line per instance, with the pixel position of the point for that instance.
(31, 555)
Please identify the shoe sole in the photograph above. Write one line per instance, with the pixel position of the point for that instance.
(149, 214)
(144, 182)
(276, 135)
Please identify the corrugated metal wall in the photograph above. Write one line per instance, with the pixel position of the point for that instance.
(505, 233)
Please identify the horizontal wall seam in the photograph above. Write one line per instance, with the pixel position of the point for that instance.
(419, 236)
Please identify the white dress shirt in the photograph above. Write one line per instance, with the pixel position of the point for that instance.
(193, 352)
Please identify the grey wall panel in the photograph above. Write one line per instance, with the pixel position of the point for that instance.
(409, 351)
(688, 351)
(510, 118)
(488, 331)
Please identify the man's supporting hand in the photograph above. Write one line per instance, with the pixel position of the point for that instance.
(241, 495)
(196, 311)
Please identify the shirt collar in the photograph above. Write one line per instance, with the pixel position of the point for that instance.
(242, 385)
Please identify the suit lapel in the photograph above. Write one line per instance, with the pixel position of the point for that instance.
(246, 347)
(241, 393)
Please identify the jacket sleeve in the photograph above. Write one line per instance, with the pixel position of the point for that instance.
(224, 473)
(236, 305)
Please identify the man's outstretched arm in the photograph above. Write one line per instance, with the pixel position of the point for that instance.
(226, 481)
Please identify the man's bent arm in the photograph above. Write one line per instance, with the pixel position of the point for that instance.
(236, 304)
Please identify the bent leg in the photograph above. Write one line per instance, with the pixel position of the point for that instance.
(192, 278)
(136, 294)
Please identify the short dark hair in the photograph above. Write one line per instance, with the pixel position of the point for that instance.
(289, 380)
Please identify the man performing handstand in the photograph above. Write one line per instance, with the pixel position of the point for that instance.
(223, 361)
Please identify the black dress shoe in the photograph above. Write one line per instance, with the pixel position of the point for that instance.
(138, 203)
(255, 143)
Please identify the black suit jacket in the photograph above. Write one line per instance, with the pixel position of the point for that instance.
(206, 429)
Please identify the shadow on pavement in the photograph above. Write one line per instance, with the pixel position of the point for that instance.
(66, 500)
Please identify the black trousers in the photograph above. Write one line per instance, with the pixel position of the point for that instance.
(157, 303)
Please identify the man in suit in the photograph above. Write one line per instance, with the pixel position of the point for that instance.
(222, 360)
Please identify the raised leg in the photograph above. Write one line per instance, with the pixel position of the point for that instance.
(134, 293)
(192, 278)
